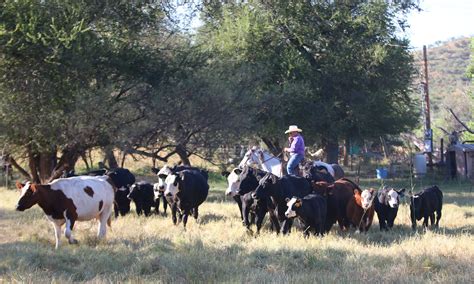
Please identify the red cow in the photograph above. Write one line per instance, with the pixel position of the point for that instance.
(360, 209)
(67, 200)
(338, 195)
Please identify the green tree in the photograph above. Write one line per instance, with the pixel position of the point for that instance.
(73, 75)
(337, 69)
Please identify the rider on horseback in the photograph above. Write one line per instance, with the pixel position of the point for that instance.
(296, 149)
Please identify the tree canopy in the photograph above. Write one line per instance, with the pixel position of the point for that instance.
(77, 75)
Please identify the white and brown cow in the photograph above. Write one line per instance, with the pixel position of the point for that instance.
(67, 200)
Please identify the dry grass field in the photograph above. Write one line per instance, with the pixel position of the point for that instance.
(216, 248)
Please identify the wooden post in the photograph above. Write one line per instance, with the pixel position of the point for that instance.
(427, 102)
(441, 156)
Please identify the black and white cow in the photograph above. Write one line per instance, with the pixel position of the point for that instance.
(159, 194)
(311, 210)
(424, 205)
(279, 189)
(233, 183)
(386, 205)
(142, 194)
(185, 191)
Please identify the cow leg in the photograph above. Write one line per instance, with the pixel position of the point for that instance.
(174, 211)
(432, 220)
(104, 218)
(165, 204)
(116, 209)
(57, 231)
(147, 210)
(259, 219)
(69, 225)
(196, 213)
(425, 221)
(286, 226)
(274, 220)
(438, 217)
(185, 217)
(138, 208)
(245, 215)
(238, 200)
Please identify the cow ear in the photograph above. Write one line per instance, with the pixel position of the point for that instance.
(34, 187)
(19, 185)
(298, 203)
(287, 200)
(238, 171)
(155, 170)
(356, 191)
(402, 192)
(225, 173)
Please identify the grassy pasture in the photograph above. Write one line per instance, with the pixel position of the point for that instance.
(216, 248)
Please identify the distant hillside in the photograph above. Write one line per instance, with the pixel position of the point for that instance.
(448, 84)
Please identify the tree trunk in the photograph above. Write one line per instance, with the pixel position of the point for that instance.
(110, 157)
(183, 155)
(273, 146)
(33, 165)
(331, 147)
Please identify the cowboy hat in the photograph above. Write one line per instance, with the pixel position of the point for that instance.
(293, 128)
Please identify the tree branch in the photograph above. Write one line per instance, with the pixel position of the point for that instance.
(12, 161)
(462, 123)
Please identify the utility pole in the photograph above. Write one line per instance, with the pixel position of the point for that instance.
(428, 131)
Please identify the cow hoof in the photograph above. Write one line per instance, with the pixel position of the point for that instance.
(249, 232)
(73, 242)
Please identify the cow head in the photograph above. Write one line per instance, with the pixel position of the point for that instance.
(265, 185)
(233, 181)
(366, 197)
(293, 205)
(29, 196)
(172, 183)
(393, 197)
(157, 191)
(133, 191)
(249, 179)
(415, 206)
(162, 175)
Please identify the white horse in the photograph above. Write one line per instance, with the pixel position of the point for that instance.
(256, 157)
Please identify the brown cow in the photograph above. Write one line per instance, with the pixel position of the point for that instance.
(338, 195)
(67, 200)
(360, 209)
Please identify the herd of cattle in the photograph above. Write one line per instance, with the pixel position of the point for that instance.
(318, 199)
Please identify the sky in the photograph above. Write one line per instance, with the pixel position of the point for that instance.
(440, 20)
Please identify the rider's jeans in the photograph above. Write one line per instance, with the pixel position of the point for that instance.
(293, 162)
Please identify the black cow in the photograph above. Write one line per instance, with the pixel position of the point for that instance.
(257, 209)
(122, 179)
(141, 193)
(279, 189)
(386, 205)
(185, 191)
(424, 205)
(315, 173)
(311, 210)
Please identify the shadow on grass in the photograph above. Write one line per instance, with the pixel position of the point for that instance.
(210, 218)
